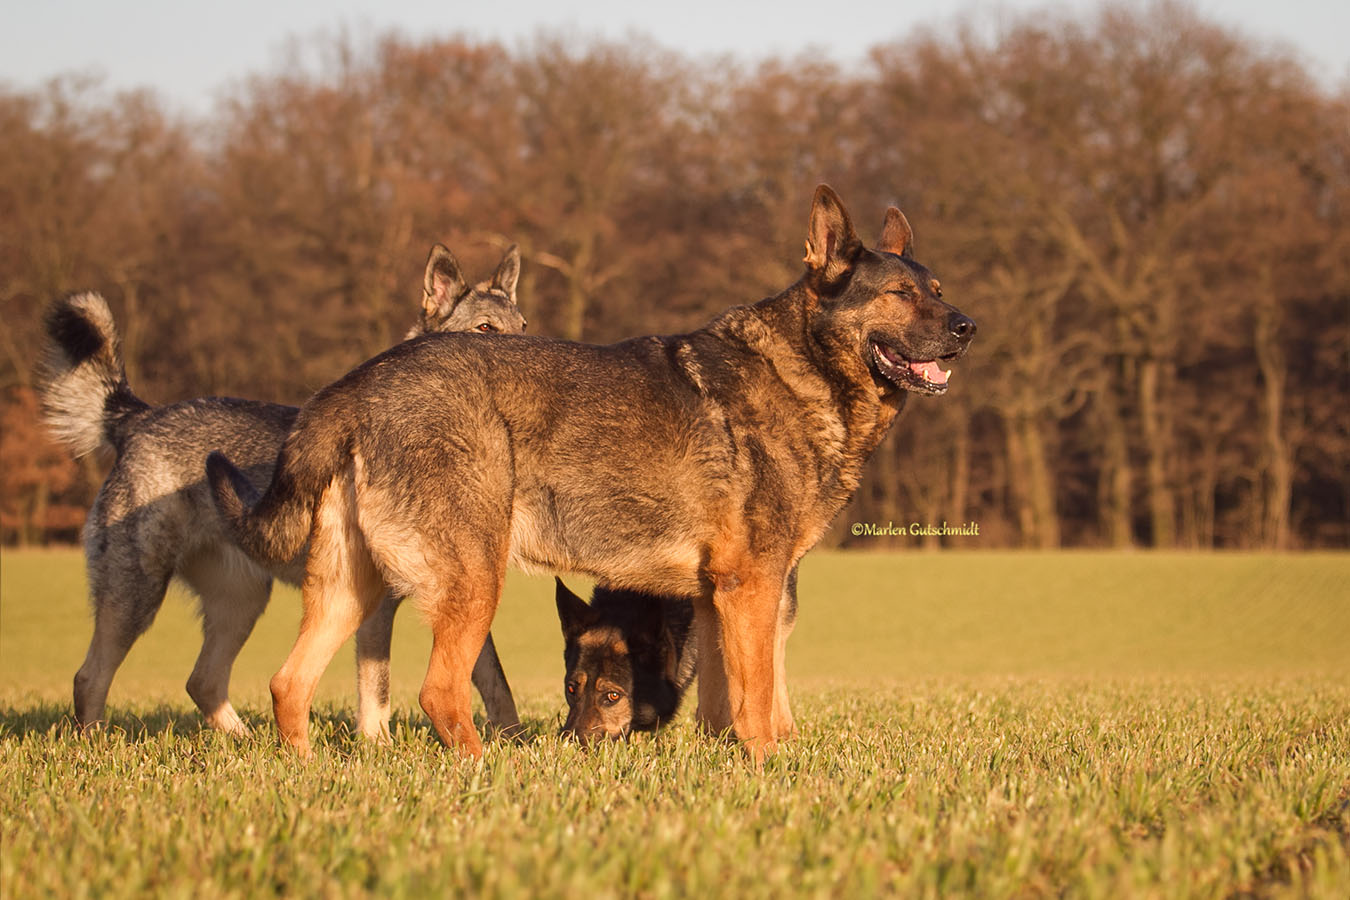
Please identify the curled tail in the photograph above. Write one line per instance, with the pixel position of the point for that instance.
(82, 382)
(273, 527)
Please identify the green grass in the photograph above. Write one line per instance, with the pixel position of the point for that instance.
(987, 725)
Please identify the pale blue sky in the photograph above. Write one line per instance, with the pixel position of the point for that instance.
(190, 50)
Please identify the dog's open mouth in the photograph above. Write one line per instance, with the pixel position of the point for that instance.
(920, 376)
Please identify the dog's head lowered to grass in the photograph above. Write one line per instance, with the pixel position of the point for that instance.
(629, 660)
(882, 303)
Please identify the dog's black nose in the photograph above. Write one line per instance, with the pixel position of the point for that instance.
(961, 326)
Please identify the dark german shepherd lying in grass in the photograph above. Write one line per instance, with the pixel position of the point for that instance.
(704, 465)
(154, 521)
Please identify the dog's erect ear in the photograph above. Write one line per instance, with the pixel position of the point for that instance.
(896, 235)
(670, 657)
(443, 283)
(574, 614)
(666, 645)
(831, 244)
(508, 272)
(651, 637)
(649, 622)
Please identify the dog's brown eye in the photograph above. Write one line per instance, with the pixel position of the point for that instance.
(571, 689)
(485, 327)
(612, 697)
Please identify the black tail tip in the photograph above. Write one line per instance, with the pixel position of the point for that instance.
(70, 328)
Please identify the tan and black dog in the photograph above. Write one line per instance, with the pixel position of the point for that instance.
(629, 658)
(154, 521)
(704, 464)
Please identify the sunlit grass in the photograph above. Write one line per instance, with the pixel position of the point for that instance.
(972, 725)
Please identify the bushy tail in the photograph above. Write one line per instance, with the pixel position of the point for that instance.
(272, 528)
(82, 383)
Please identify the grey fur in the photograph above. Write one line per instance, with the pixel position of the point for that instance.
(84, 392)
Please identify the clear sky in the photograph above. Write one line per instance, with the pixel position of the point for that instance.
(190, 50)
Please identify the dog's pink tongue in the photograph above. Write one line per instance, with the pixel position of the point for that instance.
(929, 371)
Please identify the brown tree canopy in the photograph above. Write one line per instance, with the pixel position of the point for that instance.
(1146, 213)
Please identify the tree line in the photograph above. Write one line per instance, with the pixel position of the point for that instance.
(1145, 212)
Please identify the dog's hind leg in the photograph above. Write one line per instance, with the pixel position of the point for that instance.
(373, 640)
(233, 593)
(342, 588)
(466, 590)
(449, 554)
(459, 626)
(126, 598)
(490, 681)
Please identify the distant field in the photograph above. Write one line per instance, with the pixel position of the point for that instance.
(992, 725)
(863, 617)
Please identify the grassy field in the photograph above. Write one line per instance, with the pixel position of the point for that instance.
(990, 725)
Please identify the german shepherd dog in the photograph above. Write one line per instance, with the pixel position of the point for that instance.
(154, 520)
(701, 465)
(630, 657)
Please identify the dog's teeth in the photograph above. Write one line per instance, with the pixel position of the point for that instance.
(947, 374)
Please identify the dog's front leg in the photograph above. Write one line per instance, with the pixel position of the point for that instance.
(714, 709)
(747, 607)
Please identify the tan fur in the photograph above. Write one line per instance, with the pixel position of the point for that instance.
(221, 571)
(373, 706)
(342, 588)
(714, 711)
(896, 235)
(390, 538)
(536, 550)
(785, 727)
(464, 612)
(609, 638)
(747, 589)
